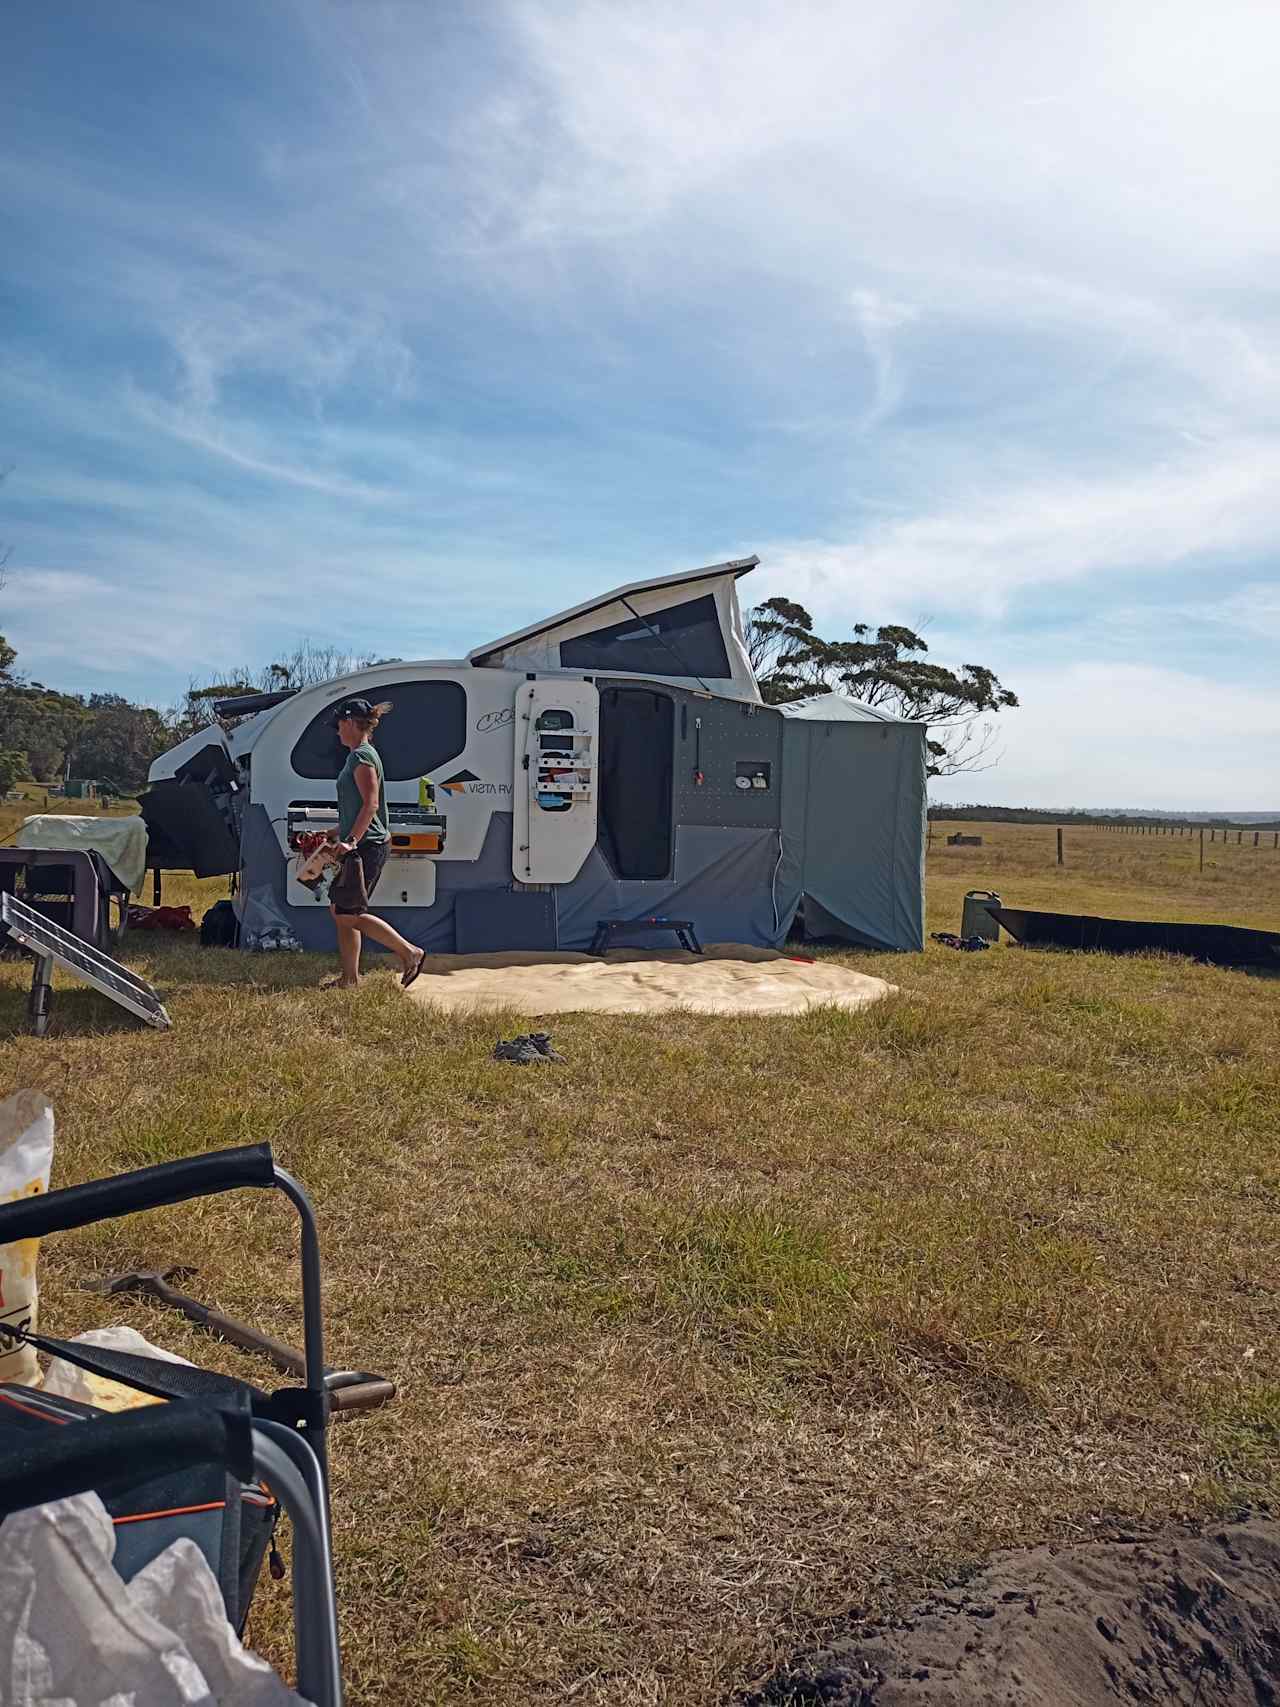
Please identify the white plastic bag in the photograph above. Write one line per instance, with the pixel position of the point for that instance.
(73, 1634)
(68, 1381)
(179, 1590)
(26, 1154)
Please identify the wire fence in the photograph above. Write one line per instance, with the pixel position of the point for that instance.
(1214, 833)
(1209, 835)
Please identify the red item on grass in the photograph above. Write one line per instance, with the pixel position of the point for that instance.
(161, 919)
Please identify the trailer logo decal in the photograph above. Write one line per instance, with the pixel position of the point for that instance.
(467, 782)
(495, 720)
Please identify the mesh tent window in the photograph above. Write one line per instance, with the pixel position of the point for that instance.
(426, 727)
(682, 640)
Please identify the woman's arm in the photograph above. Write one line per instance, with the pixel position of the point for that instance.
(367, 782)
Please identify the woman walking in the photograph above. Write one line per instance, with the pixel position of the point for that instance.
(364, 836)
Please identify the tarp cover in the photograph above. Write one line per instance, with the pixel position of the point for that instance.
(122, 842)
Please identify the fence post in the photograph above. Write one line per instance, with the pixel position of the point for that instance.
(1059, 845)
(1255, 838)
(1202, 847)
(1239, 837)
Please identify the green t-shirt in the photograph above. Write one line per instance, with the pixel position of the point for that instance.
(349, 801)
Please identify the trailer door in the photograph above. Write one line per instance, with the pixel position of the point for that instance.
(556, 758)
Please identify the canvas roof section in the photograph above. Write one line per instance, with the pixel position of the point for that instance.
(735, 567)
(835, 708)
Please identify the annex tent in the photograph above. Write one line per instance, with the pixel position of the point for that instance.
(854, 815)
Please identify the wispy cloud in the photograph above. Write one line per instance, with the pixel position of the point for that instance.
(878, 318)
(200, 428)
(992, 550)
(315, 347)
(1247, 615)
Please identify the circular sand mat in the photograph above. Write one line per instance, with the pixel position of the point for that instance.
(728, 978)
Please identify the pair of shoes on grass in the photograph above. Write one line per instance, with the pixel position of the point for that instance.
(536, 1046)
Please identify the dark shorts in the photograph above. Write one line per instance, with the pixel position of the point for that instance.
(372, 857)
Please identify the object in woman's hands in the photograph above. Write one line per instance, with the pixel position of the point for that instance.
(316, 853)
(348, 889)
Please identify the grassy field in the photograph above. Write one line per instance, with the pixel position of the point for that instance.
(726, 1329)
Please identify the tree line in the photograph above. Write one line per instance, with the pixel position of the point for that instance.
(979, 814)
(47, 733)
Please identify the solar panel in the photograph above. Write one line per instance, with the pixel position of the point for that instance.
(49, 942)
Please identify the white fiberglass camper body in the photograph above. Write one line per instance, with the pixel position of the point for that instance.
(613, 762)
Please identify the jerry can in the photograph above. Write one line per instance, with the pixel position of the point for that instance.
(976, 920)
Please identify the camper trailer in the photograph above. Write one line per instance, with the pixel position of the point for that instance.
(613, 762)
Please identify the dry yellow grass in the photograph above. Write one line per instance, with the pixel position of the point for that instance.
(727, 1326)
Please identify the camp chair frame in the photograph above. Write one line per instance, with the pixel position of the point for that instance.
(292, 1460)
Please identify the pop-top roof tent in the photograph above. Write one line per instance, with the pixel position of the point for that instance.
(611, 762)
(682, 628)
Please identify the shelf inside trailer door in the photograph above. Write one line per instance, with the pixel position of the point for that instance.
(556, 753)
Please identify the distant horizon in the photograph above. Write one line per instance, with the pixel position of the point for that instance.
(1171, 814)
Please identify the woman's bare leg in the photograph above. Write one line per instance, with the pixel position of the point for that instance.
(348, 949)
(369, 924)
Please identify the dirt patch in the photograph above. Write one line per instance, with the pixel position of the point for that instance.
(1185, 1616)
(727, 978)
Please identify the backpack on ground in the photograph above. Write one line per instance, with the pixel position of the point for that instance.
(220, 928)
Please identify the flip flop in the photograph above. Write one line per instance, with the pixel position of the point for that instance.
(407, 978)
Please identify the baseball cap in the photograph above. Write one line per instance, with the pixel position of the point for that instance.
(352, 708)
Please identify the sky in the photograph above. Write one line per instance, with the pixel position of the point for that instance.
(397, 324)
